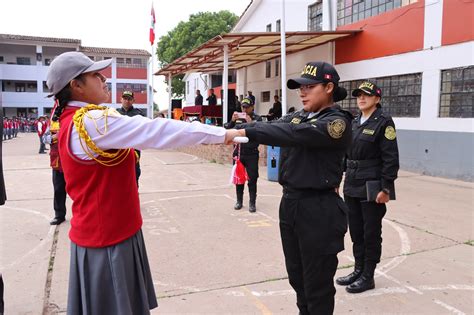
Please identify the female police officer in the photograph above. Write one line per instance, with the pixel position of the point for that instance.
(313, 218)
(371, 168)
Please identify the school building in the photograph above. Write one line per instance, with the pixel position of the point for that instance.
(24, 62)
(419, 52)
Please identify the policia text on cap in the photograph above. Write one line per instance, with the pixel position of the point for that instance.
(313, 217)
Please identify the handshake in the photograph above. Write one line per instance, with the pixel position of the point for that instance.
(235, 136)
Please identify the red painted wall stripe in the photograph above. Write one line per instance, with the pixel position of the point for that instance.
(458, 25)
(391, 33)
(131, 73)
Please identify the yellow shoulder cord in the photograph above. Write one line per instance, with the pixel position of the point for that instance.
(89, 147)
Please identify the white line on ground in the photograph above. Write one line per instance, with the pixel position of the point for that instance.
(449, 307)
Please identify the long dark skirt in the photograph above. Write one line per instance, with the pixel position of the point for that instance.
(111, 280)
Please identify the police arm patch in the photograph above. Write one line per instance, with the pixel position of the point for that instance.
(390, 133)
(336, 128)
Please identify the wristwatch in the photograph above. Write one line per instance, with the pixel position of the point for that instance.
(386, 191)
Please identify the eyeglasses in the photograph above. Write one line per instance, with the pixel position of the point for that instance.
(306, 88)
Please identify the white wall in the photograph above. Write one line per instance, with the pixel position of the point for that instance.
(263, 12)
(430, 62)
(197, 81)
(256, 81)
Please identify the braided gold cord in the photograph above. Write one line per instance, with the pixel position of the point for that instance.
(89, 147)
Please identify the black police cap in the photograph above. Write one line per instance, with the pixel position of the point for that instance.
(319, 72)
(368, 88)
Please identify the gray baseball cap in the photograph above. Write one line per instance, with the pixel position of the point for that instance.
(69, 65)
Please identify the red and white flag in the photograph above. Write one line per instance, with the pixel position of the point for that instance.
(152, 26)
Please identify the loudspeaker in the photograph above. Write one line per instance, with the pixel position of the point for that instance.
(176, 103)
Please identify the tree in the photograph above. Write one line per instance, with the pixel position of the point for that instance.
(186, 36)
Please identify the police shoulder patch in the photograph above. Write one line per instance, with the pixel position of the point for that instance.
(336, 128)
(390, 133)
(296, 120)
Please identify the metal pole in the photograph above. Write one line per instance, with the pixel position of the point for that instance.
(152, 85)
(169, 95)
(225, 84)
(283, 58)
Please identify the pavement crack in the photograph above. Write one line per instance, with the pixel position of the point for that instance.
(423, 230)
(221, 288)
(49, 276)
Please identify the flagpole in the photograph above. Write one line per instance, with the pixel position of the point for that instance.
(152, 83)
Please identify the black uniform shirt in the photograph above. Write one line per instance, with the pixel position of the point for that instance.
(374, 142)
(250, 148)
(312, 148)
(198, 100)
(211, 100)
(132, 111)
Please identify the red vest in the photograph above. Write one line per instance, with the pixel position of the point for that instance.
(106, 207)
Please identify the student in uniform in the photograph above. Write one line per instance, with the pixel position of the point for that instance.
(313, 218)
(372, 158)
(249, 155)
(109, 270)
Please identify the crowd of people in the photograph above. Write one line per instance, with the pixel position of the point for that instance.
(13, 125)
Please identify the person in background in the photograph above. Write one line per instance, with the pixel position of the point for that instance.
(249, 155)
(59, 184)
(373, 156)
(128, 98)
(251, 96)
(41, 128)
(198, 99)
(211, 99)
(275, 112)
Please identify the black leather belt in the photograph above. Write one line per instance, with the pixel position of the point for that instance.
(362, 163)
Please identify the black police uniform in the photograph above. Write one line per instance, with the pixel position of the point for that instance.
(313, 217)
(372, 156)
(132, 111)
(249, 156)
(211, 99)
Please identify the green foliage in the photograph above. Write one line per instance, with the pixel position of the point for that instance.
(186, 36)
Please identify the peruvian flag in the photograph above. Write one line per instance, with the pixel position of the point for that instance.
(152, 26)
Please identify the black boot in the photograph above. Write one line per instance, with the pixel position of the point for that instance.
(240, 196)
(252, 206)
(353, 276)
(362, 284)
(253, 200)
(366, 280)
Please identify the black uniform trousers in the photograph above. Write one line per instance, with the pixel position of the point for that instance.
(59, 185)
(42, 148)
(250, 162)
(365, 227)
(312, 233)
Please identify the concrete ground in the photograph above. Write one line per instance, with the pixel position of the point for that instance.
(207, 258)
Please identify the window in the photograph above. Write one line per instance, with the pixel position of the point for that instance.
(315, 17)
(401, 94)
(268, 69)
(278, 26)
(269, 28)
(187, 87)
(1, 59)
(91, 57)
(23, 60)
(266, 96)
(47, 61)
(277, 67)
(45, 88)
(130, 63)
(457, 93)
(351, 11)
(20, 87)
